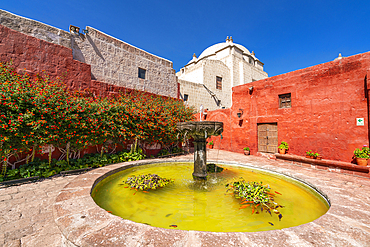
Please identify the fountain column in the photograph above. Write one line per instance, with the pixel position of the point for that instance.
(200, 159)
(200, 131)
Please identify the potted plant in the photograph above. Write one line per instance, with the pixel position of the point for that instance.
(246, 151)
(310, 154)
(361, 156)
(315, 155)
(211, 144)
(283, 147)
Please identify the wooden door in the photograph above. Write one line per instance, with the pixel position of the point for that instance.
(268, 138)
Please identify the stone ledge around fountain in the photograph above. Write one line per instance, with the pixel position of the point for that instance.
(330, 165)
(83, 223)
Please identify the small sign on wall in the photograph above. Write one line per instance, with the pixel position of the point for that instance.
(360, 122)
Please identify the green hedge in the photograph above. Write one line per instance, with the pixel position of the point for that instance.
(42, 168)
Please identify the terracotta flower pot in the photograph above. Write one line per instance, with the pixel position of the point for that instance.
(361, 161)
(211, 146)
(307, 156)
(318, 157)
(246, 152)
(282, 151)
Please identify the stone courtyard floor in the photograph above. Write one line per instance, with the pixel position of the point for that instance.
(58, 212)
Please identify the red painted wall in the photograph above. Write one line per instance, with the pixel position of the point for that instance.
(326, 100)
(35, 56)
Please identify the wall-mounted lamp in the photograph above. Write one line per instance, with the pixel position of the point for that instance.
(251, 89)
(240, 113)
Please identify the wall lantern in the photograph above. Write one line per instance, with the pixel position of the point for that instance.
(240, 113)
(251, 89)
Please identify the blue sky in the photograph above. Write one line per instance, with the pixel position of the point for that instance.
(286, 35)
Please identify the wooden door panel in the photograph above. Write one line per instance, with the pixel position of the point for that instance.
(267, 138)
(262, 141)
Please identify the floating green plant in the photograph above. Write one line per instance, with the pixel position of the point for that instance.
(259, 197)
(147, 182)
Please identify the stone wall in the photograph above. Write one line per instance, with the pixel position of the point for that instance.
(193, 73)
(198, 95)
(117, 63)
(212, 69)
(35, 29)
(245, 72)
(112, 61)
(326, 99)
(34, 56)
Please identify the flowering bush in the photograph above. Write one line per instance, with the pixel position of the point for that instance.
(38, 112)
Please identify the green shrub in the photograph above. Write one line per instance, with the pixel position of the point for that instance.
(42, 168)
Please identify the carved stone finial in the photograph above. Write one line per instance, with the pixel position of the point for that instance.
(339, 57)
(231, 38)
(253, 53)
(74, 29)
(194, 56)
(227, 38)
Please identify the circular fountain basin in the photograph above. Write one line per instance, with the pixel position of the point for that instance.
(186, 204)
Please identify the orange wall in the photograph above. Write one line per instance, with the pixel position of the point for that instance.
(326, 100)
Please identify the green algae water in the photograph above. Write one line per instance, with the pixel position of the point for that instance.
(205, 205)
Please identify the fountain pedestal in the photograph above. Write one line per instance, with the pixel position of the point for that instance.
(200, 131)
(200, 159)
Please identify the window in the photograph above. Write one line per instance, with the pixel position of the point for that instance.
(285, 100)
(142, 73)
(186, 97)
(218, 83)
(251, 61)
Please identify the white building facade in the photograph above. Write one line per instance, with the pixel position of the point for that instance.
(208, 79)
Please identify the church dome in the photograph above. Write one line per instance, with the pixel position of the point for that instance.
(212, 50)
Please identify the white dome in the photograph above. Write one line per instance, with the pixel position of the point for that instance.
(212, 50)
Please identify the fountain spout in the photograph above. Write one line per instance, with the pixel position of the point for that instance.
(200, 131)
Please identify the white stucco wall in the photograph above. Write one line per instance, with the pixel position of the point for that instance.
(193, 73)
(232, 62)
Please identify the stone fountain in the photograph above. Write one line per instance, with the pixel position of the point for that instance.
(200, 131)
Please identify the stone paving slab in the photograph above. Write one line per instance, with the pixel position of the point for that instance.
(26, 214)
(60, 212)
